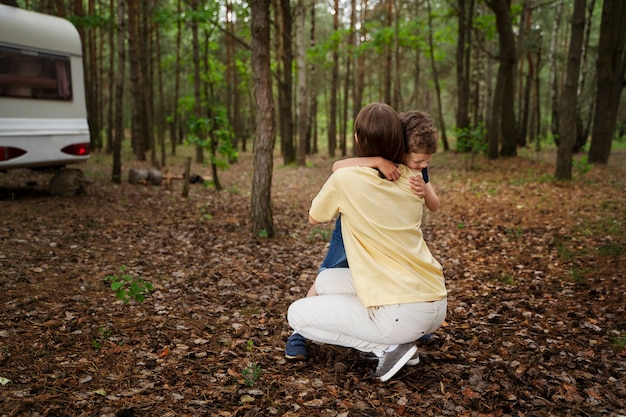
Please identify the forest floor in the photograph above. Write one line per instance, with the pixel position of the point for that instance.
(535, 269)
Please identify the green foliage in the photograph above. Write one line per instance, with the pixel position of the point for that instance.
(252, 371)
(612, 249)
(579, 276)
(127, 287)
(264, 234)
(316, 231)
(618, 341)
(472, 139)
(582, 165)
(219, 134)
(103, 336)
(507, 279)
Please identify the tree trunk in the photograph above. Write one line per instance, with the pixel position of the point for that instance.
(111, 75)
(525, 80)
(285, 84)
(442, 125)
(553, 88)
(116, 176)
(464, 34)
(146, 82)
(312, 136)
(261, 199)
(161, 115)
(583, 120)
(610, 69)
(214, 123)
(569, 99)
(505, 87)
(334, 86)
(359, 71)
(398, 101)
(135, 89)
(303, 98)
(200, 131)
(175, 119)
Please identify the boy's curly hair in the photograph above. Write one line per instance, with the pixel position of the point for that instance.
(420, 135)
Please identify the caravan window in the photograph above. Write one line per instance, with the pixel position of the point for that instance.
(34, 74)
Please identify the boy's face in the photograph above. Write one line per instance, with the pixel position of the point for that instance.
(418, 161)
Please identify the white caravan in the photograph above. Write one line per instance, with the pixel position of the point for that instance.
(43, 115)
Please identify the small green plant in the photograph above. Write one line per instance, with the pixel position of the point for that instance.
(473, 140)
(128, 288)
(618, 341)
(103, 336)
(515, 232)
(579, 276)
(582, 165)
(316, 231)
(264, 233)
(611, 249)
(205, 214)
(234, 190)
(507, 279)
(252, 372)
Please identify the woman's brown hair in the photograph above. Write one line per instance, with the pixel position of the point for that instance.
(379, 133)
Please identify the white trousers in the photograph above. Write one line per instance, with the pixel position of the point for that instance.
(336, 316)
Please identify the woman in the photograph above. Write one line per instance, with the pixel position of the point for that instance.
(394, 291)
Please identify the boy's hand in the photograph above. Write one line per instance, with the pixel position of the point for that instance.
(389, 169)
(418, 185)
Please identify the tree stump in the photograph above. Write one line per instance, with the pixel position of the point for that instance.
(145, 176)
(68, 182)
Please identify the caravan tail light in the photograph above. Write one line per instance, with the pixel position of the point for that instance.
(8, 152)
(78, 149)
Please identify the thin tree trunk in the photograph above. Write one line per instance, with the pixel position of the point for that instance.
(312, 136)
(387, 55)
(175, 119)
(111, 76)
(553, 88)
(442, 125)
(261, 198)
(197, 89)
(397, 79)
(135, 89)
(161, 104)
(303, 98)
(119, 93)
(285, 80)
(584, 119)
(334, 86)
(146, 85)
(359, 69)
(569, 98)
(462, 62)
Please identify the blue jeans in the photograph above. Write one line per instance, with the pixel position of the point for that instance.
(336, 255)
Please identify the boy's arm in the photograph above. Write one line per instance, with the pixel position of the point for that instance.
(387, 168)
(426, 191)
(431, 198)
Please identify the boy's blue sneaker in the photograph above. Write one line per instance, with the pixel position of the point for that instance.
(295, 348)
